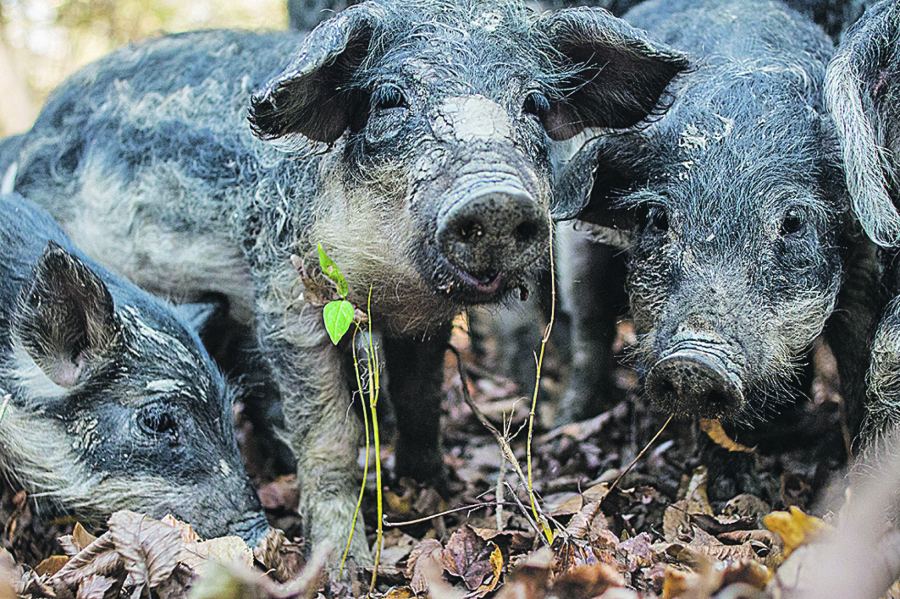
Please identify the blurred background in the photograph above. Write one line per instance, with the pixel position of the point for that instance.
(43, 41)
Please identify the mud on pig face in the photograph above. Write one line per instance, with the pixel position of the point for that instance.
(455, 114)
(737, 219)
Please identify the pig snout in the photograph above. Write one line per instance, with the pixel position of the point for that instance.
(252, 529)
(492, 235)
(696, 379)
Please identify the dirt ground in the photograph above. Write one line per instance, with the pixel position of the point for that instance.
(651, 531)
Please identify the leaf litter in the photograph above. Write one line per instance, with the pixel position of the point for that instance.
(653, 534)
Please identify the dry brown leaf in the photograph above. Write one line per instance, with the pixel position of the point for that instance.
(695, 493)
(796, 528)
(282, 558)
(51, 565)
(766, 538)
(588, 523)
(401, 593)
(530, 579)
(677, 519)
(749, 572)
(572, 505)
(100, 558)
(496, 562)
(149, 548)
(225, 550)
(425, 555)
(584, 582)
(78, 540)
(94, 587)
(694, 585)
(637, 547)
(188, 535)
(713, 429)
(467, 556)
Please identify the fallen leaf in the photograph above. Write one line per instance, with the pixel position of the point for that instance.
(149, 548)
(466, 556)
(94, 587)
(51, 565)
(584, 582)
(713, 429)
(424, 556)
(796, 528)
(531, 579)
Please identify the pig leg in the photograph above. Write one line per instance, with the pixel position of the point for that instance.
(415, 370)
(323, 429)
(848, 331)
(884, 375)
(593, 281)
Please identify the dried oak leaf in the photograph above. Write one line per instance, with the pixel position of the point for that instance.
(584, 582)
(78, 540)
(51, 565)
(149, 548)
(425, 557)
(468, 557)
(95, 587)
(188, 535)
(796, 528)
(100, 558)
(513, 541)
(589, 523)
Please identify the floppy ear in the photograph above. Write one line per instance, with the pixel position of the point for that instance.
(596, 176)
(616, 75)
(208, 310)
(862, 90)
(65, 318)
(308, 97)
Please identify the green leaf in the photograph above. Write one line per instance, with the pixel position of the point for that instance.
(332, 271)
(338, 317)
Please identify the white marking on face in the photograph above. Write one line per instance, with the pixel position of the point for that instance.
(472, 118)
(164, 385)
(8, 183)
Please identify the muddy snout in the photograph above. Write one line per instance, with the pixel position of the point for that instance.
(696, 380)
(492, 235)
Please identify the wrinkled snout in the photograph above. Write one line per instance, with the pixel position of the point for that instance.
(492, 236)
(695, 380)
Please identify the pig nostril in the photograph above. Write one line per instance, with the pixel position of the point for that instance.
(486, 277)
(718, 398)
(526, 231)
(470, 230)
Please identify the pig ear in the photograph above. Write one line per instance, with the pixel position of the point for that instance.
(201, 314)
(308, 98)
(65, 316)
(613, 76)
(589, 185)
(863, 97)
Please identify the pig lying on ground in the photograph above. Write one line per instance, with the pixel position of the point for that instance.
(742, 240)
(863, 92)
(419, 142)
(109, 400)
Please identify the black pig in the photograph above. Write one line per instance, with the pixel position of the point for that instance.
(109, 399)
(863, 93)
(419, 142)
(742, 240)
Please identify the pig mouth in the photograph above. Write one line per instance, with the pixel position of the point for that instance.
(479, 288)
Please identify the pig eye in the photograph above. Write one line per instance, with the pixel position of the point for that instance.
(793, 222)
(536, 104)
(156, 423)
(387, 97)
(654, 216)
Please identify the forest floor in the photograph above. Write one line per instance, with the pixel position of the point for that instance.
(648, 531)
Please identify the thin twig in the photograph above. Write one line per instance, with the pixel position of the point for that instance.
(639, 456)
(473, 506)
(504, 443)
